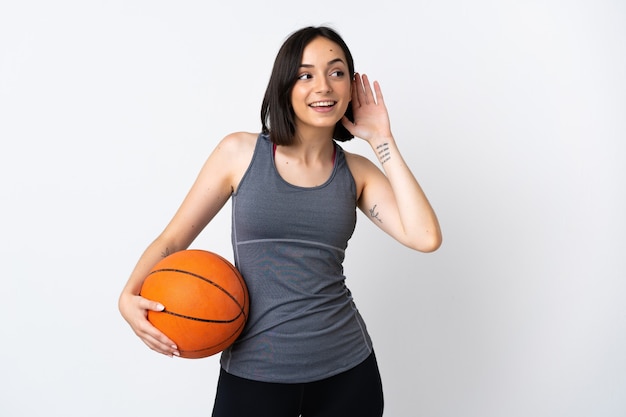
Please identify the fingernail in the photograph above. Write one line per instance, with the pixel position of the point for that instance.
(160, 307)
(176, 353)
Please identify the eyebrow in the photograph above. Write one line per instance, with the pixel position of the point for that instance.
(329, 63)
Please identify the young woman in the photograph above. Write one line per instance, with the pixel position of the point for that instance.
(305, 349)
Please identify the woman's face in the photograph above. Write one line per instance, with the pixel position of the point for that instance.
(322, 90)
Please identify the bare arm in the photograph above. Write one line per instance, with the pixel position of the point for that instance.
(393, 200)
(215, 183)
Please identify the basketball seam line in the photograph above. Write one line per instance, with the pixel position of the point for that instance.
(203, 279)
(203, 320)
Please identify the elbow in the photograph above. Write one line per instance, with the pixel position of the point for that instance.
(431, 246)
(427, 243)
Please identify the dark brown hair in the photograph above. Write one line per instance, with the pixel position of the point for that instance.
(277, 114)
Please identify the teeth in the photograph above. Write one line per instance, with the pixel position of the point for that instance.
(323, 104)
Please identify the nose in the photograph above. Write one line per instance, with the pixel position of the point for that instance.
(323, 86)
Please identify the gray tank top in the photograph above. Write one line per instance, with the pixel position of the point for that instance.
(289, 243)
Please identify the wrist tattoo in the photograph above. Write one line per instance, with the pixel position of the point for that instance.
(383, 152)
(374, 214)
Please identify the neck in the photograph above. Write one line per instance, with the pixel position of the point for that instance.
(311, 144)
(309, 154)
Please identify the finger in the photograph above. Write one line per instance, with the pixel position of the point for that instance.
(153, 337)
(379, 93)
(158, 342)
(367, 90)
(164, 348)
(151, 305)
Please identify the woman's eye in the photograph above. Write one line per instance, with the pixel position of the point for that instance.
(338, 73)
(304, 76)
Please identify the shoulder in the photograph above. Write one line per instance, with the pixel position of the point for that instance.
(235, 150)
(362, 169)
(360, 166)
(238, 143)
(231, 157)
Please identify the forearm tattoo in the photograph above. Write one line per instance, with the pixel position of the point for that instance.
(166, 253)
(374, 214)
(383, 152)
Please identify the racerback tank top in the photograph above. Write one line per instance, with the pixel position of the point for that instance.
(289, 244)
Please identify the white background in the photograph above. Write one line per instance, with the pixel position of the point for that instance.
(511, 114)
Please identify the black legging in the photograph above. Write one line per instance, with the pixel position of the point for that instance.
(356, 392)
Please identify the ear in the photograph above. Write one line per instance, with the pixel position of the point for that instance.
(352, 86)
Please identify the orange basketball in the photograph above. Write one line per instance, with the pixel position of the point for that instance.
(205, 298)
